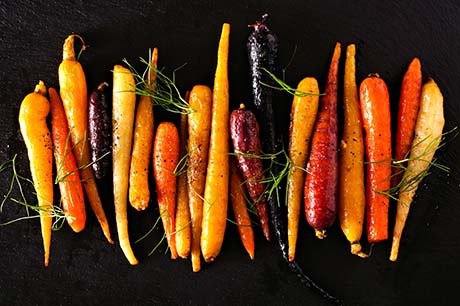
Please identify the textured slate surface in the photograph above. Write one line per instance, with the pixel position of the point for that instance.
(84, 269)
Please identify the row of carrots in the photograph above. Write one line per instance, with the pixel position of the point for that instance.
(353, 181)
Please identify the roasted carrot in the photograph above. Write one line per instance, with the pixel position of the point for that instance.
(321, 182)
(375, 112)
(428, 134)
(68, 176)
(123, 106)
(303, 117)
(139, 193)
(73, 93)
(409, 101)
(32, 121)
(244, 131)
(199, 125)
(216, 185)
(183, 231)
(165, 159)
(238, 199)
(352, 199)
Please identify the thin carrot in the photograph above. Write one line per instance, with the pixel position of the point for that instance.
(303, 117)
(139, 193)
(352, 199)
(216, 186)
(375, 112)
(409, 101)
(238, 199)
(32, 121)
(165, 159)
(74, 94)
(183, 231)
(199, 126)
(68, 176)
(428, 134)
(123, 106)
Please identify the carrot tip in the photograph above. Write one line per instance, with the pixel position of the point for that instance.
(356, 250)
(320, 233)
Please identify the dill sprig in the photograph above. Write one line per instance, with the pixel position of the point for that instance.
(283, 86)
(181, 167)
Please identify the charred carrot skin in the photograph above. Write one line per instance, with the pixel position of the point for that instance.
(73, 93)
(244, 131)
(165, 159)
(407, 115)
(375, 111)
(321, 182)
(240, 211)
(37, 137)
(73, 201)
(352, 200)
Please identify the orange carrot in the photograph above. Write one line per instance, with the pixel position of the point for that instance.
(73, 201)
(165, 159)
(375, 111)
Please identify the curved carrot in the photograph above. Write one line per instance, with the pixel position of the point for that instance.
(322, 169)
(409, 101)
(165, 159)
(199, 126)
(139, 193)
(352, 200)
(32, 121)
(183, 231)
(375, 112)
(428, 134)
(73, 93)
(238, 199)
(123, 106)
(73, 201)
(216, 186)
(303, 117)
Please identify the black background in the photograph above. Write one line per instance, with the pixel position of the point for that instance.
(85, 270)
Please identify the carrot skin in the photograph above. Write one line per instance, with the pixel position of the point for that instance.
(73, 201)
(165, 159)
(321, 183)
(375, 111)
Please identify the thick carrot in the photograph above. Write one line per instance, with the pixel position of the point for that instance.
(165, 159)
(139, 193)
(238, 199)
(409, 101)
(183, 231)
(216, 185)
(32, 121)
(352, 199)
(428, 134)
(375, 112)
(199, 126)
(72, 197)
(73, 92)
(123, 106)
(321, 181)
(303, 117)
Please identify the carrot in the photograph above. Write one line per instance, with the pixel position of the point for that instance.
(375, 112)
(409, 101)
(199, 125)
(73, 201)
(139, 193)
(352, 200)
(428, 134)
(216, 185)
(32, 121)
(303, 117)
(165, 159)
(73, 93)
(183, 232)
(123, 105)
(238, 199)
(322, 169)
